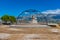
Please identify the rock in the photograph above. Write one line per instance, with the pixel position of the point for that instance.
(4, 36)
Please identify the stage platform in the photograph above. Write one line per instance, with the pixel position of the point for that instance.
(29, 25)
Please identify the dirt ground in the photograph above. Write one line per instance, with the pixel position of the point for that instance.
(20, 33)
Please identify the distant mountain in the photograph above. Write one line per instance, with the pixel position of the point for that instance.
(54, 16)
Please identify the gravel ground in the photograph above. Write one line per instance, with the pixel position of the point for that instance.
(29, 33)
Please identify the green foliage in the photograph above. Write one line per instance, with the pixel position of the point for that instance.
(12, 19)
(7, 18)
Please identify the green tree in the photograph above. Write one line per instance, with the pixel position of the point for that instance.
(12, 19)
(7, 18)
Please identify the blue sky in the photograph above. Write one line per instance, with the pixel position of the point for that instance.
(14, 7)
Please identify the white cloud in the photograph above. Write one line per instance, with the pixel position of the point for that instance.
(57, 11)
